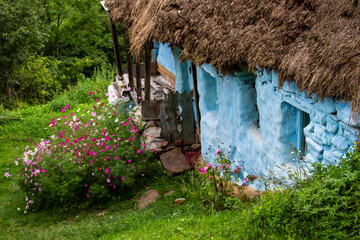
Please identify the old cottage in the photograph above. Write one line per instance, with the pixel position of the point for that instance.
(270, 75)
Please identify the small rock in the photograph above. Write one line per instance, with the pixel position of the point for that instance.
(151, 124)
(150, 196)
(178, 142)
(196, 147)
(170, 193)
(164, 144)
(174, 161)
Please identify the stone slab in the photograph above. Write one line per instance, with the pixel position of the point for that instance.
(150, 196)
(174, 161)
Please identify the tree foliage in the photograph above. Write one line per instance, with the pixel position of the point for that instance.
(47, 45)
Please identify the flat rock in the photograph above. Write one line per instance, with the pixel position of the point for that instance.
(196, 147)
(174, 161)
(178, 142)
(169, 193)
(164, 144)
(150, 196)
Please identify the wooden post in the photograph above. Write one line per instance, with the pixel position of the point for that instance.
(196, 94)
(138, 80)
(128, 57)
(116, 48)
(147, 70)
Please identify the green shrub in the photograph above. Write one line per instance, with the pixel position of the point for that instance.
(36, 80)
(324, 206)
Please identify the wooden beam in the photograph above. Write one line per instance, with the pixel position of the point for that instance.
(138, 81)
(147, 70)
(128, 57)
(116, 48)
(167, 74)
(196, 94)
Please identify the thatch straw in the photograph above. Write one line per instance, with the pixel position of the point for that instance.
(316, 43)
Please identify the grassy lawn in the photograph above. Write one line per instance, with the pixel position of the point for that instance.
(115, 220)
(324, 207)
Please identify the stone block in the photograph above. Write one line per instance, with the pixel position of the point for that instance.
(322, 135)
(327, 105)
(196, 147)
(164, 144)
(351, 134)
(174, 161)
(178, 142)
(331, 126)
(315, 149)
(318, 117)
(309, 159)
(331, 157)
(344, 113)
(341, 143)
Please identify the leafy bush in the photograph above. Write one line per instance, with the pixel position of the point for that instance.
(93, 155)
(36, 80)
(324, 206)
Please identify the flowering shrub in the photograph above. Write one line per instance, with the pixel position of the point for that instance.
(92, 156)
(214, 181)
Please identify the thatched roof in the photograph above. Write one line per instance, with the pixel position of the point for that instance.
(315, 43)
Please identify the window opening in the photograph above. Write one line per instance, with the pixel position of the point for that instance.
(304, 121)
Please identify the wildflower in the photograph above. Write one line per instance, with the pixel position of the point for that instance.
(138, 151)
(7, 174)
(67, 106)
(91, 93)
(217, 152)
(93, 114)
(63, 110)
(210, 177)
(107, 171)
(246, 179)
(122, 179)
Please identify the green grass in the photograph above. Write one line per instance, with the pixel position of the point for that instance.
(114, 220)
(275, 216)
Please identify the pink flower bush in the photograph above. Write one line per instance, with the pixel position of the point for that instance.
(83, 154)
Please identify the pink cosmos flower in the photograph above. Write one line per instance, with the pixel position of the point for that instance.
(217, 152)
(91, 93)
(210, 177)
(138, 151)
(42, 170)
(246, 179)
(63, 110)
(93, 114)
(107, 171)
(67, 106)
(122, 179)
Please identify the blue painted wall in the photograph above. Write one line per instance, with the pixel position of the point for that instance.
(164, 56)
(247, 115)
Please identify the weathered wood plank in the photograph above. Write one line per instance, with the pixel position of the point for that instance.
(187, 117)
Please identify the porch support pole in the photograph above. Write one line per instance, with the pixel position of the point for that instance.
(128, 57)
(147, 70)
(116, 48)
(138, 81)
